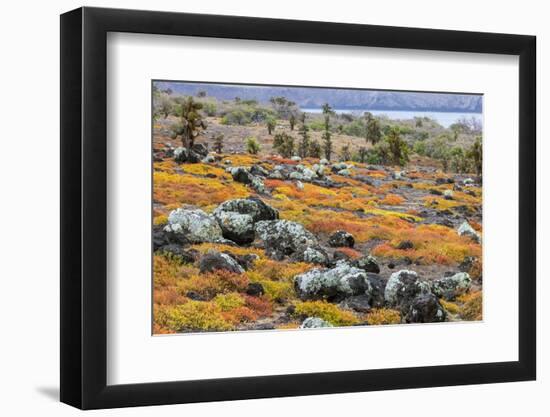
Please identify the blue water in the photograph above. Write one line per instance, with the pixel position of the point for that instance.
(445, 119)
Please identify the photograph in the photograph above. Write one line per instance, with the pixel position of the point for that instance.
(301, 207)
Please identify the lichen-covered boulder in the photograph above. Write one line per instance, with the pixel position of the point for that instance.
(181, 154)
(425, 308)
(284, 238)
(368, 263)
(296, 175)
(315, 255)
(341, 238)
(403, 287)
(332, 284)
(319, 169)
(452, 286)
(308, 174)
(344, 172)
(162, 237)
(195, 225)
(244, 176)
(466, 230)
(213, 261)
(258, 170)
(314, 323)
(196, 154)
(339, 166)
(238, 217)
(324, 161)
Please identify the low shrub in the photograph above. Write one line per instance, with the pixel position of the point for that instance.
(192, 316)
(472, 308)
(326, 311)
(379, 316)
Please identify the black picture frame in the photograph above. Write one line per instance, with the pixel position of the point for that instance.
(84, 207)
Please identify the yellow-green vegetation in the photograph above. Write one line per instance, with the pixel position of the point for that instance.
(379, 316)
(191, 316)
(472, 308)
(326, 311)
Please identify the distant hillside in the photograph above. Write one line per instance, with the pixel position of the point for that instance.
(337, 98)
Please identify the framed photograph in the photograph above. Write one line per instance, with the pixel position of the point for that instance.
(257, 208)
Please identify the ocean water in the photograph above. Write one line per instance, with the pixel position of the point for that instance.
(445, 119)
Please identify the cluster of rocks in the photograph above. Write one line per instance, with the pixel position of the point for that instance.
(354, 288)
(193, 155)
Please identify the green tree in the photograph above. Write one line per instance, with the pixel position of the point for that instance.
(398, 148)
(191, 122)
(362, 154)
(304, 145)
(315, 149)
(218, 143)
(475, 153)
(282, 106)
(373, 132)
(252, 145)
(458, 160)
(284, 144)
(271, 123)
(345, 154)
(327, 137)
(292, 121)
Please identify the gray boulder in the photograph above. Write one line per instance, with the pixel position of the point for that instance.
(315, 255)
(314, 323)
(425, 308)
(296, 175)
(213, 261)
(336, 283)
(341, 238)
(238, 217)
(284, 238)
(258, 170)
(244, 176)
(403, 287)
(195, 225)
(368, 263)
(466, 230)
(452, 286)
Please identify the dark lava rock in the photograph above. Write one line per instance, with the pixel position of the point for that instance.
(185, 256)
(405, 244)
(434, 191)
(255, 289)
(283, 238)
(162, 238)
(403, 287)
(193, 295)
(334, 284)
(425, 308)
(367, 263)
(213, 261)
(360, 303)
(242, 175)
(259, 171)
(341, 238)
(246, 261)
(238, 217)
(340, 256)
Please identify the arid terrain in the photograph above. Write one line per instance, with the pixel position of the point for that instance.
(246, 238)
